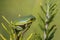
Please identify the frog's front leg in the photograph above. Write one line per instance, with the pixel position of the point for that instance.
(23, 31)
(27, 26)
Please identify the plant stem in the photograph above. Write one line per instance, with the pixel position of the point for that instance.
(46, 23)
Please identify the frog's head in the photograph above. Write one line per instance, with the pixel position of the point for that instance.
(31, 18)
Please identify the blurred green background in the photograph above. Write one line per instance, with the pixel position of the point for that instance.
(12, 8)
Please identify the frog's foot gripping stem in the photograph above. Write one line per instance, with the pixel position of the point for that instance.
(23, 31)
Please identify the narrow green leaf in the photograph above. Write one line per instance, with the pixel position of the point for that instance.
(21, 37)
(5, 19)
(51, 2)
(51, 18)
(2, 37)
(41, 27)
(30, 36)
(52, 10)
(43, 9)
(42, 19)
(52, 34)
(51, 28)
(11, 37)
(54, 5)
(5, 28)
(50, 37)
(8, 23)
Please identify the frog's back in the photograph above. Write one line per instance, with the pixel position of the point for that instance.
(23, 20)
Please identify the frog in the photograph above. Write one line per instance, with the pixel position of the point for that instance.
(24, 22)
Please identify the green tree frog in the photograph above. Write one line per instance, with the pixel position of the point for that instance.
(24, 22)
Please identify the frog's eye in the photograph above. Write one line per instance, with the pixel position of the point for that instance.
(31, 19)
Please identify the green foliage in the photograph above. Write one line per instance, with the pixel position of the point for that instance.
(51, 11)
(49, 15)
(51, 18)
(12, 34)
(3, 38)
(42, 19)
(41, 27)
(29, 37)
(16, 31)
(51, 35)
(53, 26)
(43, 9)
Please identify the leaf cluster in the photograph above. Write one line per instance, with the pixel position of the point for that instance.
(52, 12)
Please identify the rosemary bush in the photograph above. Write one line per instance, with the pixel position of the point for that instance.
(49, 13)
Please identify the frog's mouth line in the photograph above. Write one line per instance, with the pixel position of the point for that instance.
(24, 26)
